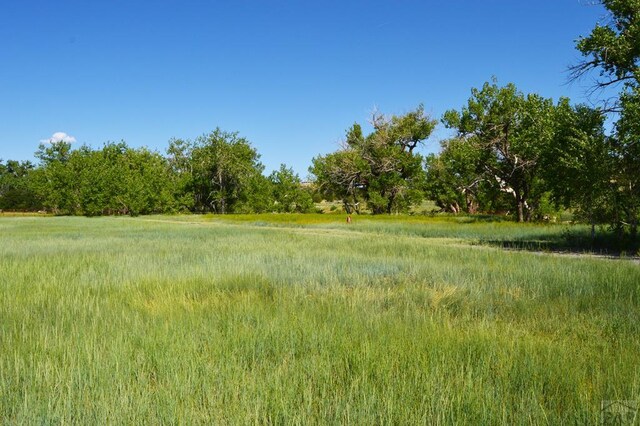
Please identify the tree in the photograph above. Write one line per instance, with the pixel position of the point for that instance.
(627, 161)
(288, 194)
(16, 191)
(613, 49)
(513, 131)
(116, 179)
(578, 165)
(224, 168)
(341, 175)
(52, 181)
(380, 168)
(455, 177)
(181, 174)
(147, 184)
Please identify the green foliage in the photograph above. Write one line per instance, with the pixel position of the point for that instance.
(456, 180)
(288, 194)
(613, 49)
(219, 172)
(578, 165)
(626, 151)
(380, 168)
(341, 175)
(114, 180)
(181, 174)
(16, 192)
(256, 196)
(512, 131)
(224, 168)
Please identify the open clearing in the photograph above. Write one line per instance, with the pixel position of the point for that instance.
(303, 319)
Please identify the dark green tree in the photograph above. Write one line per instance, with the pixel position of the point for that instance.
(288, 194)
(380, 168)
(513, 130)
(53, 181)
(577, 166)
(456, 179)
(16, 190)
(225, 168)
(116, 179)
(613, 49)
(626, 151)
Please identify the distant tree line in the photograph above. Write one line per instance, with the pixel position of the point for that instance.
(219, 172)
(512, 152)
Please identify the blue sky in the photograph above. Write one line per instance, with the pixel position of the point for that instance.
(290, 76)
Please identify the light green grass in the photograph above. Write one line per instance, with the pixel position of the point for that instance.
(272, 319)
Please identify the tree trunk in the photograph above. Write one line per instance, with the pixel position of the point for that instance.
(520, 210)
(634, 231)
(471, 205)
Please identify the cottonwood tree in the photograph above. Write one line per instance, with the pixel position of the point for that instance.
(626, 150)
(455, 177)
(16, 191)
(225, 169)
(577, 166)
(288, 194)
(381, 168)
(341, 175)
(115, 179)
(52, 180)
(613, 51)
(512, 130)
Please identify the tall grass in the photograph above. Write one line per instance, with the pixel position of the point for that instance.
(478, 229)
(192, 320)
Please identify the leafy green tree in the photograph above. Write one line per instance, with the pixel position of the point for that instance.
(341, 175)
(256, 195)
(181, 174)
(613, 49)
(578, 165)
(513, 130)
(53, 180)
(147, 183)
(16, 191)
(380, 168)
(116, 179)
(288, 194)
(455, 178)
(224, 168)
(627, 161)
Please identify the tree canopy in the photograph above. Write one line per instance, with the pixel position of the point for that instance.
(613, 49)
(380, 169)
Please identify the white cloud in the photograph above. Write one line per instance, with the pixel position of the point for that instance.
(59, 137)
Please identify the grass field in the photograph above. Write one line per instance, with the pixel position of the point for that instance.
(285, 319)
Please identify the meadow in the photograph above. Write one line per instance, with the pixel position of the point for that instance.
(303, 319)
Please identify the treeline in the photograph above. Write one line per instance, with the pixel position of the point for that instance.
(515, 153)
(511, 153)
(219, 172)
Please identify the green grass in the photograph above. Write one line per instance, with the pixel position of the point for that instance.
(479, 229)
(292, 319)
